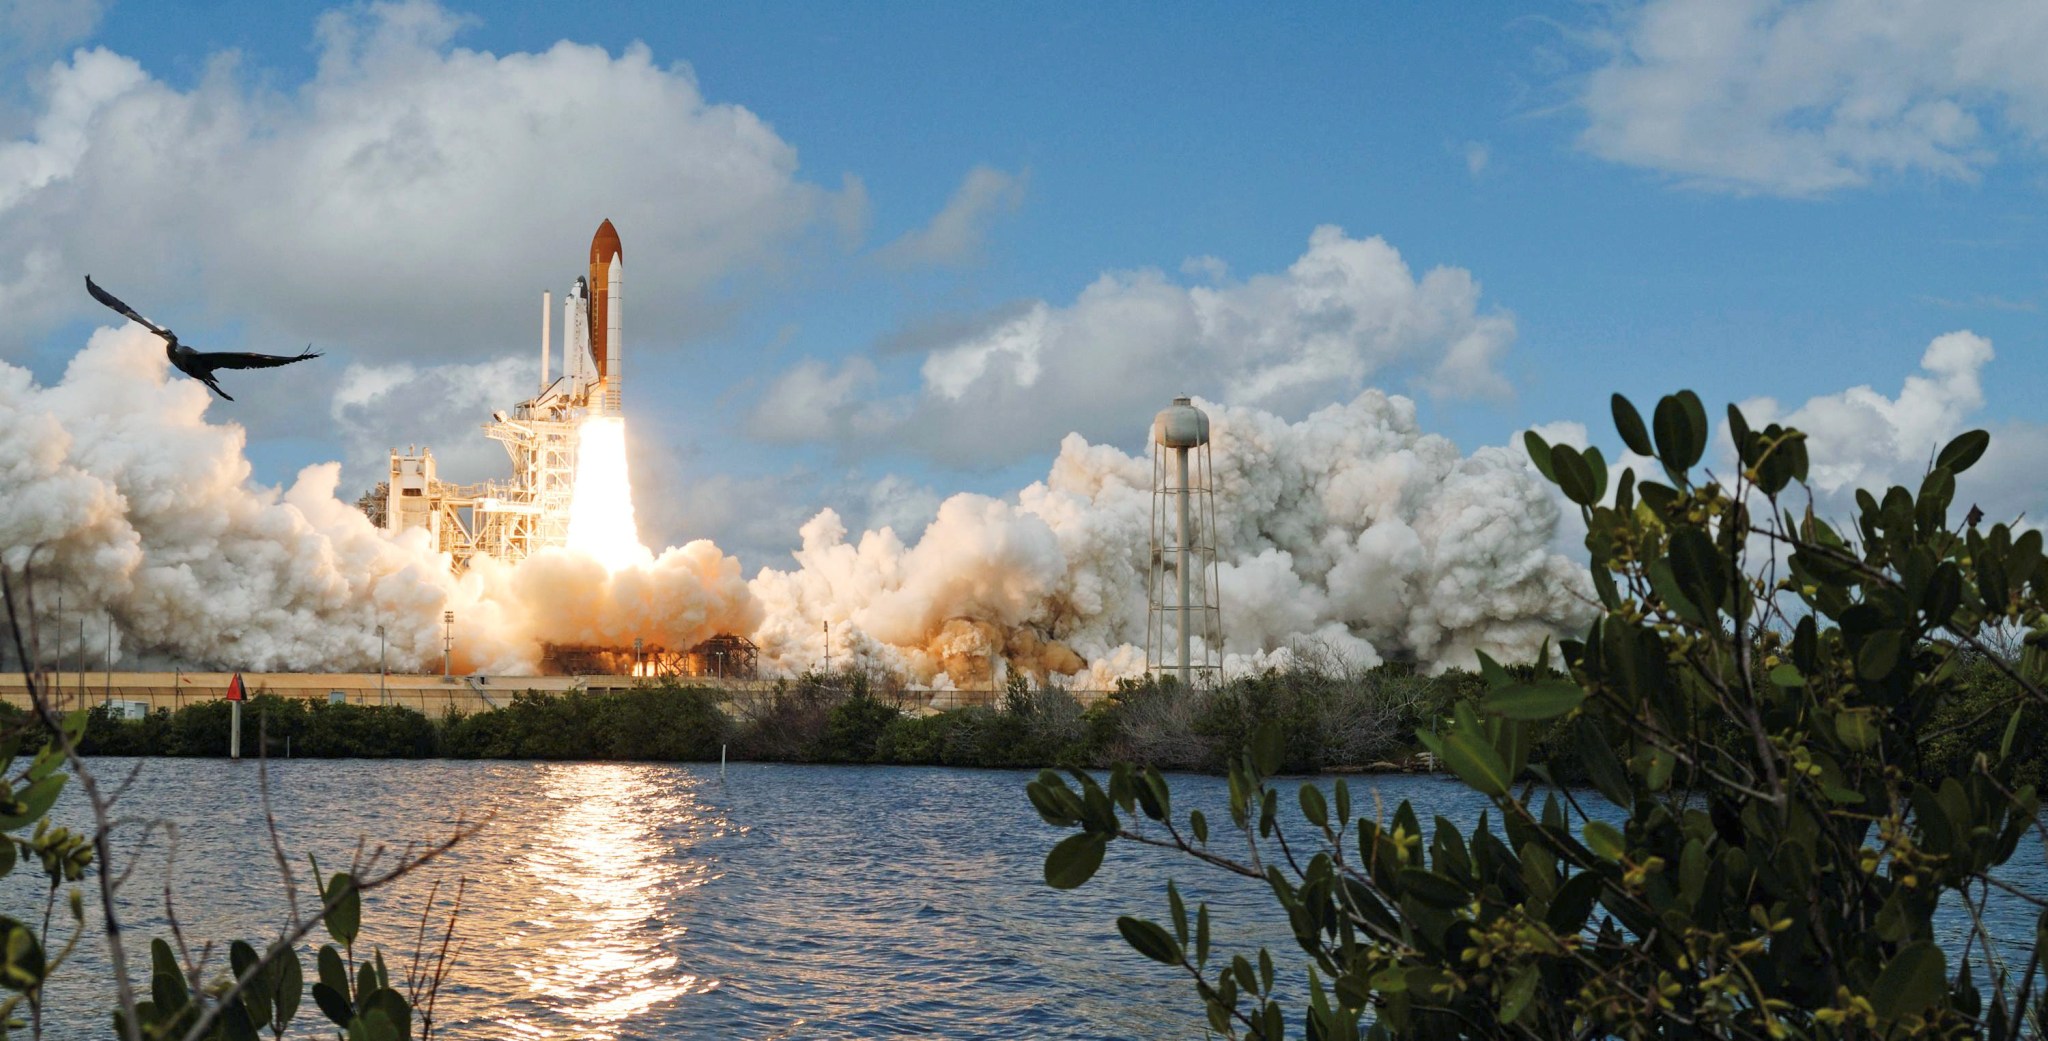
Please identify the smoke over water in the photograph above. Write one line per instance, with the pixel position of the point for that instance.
(1350, 529)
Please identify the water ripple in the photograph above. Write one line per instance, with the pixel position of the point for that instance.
(630, 901)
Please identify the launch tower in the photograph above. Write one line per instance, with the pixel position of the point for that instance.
(509, 520)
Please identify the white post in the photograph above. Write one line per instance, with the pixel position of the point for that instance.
(721, 762)
(234, 730)
(1186, 555)
(547, 325)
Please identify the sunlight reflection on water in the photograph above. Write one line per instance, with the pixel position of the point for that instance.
(601, 883)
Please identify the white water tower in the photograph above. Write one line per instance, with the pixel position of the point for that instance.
(1183, 609)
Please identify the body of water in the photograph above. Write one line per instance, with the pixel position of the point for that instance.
(622, 901)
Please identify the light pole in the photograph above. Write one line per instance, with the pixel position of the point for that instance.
(448, 646)
(720, 655)
(383, 698)
(637, 658)
(828, 648)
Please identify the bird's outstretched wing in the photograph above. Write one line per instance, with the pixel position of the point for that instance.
(241, 360)
(125, 311)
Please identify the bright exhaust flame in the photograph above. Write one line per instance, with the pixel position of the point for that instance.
(601, 510)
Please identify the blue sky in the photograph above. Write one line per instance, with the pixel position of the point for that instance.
(1794, 206)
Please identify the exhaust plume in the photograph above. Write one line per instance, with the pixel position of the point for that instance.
(140, 513)
(1350, 533)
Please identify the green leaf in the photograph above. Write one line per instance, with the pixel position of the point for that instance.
(1856, 730)
(256, 996)
(1605, 841)
(333, 1004)
(1150, 782)
(1879, 655)
(1914, 979)
(344, 917)
(36, 800)
(390, 1005)
(1574, 475)
(1665, 584)
(237, 1023)
(21, 957)
(1075, 860)
(1149, 940)
(1697, 566)
(1603, 767)
(1539, 454)
(163, 963)
(1475, 761)
(1542, 699)
(1629, 424)
(1313, 808)
(1787, 675)
(1491, 670)
(1657, 767)
(1574, 902)
(1598, 465)
(1680, 437)
(1044, 794)
(1515, 1000)
(1963, 452)
(332, 972)
(291, 986)
(1432, 889)
(1738, 432)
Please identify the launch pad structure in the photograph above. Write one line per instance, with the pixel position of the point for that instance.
(512, 519)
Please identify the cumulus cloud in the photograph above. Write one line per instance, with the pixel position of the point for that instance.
(1860, 438)
(395, 202)
(436, 405)
(1348, 310)
(956, 233)
(1810, 97)
(32, 27)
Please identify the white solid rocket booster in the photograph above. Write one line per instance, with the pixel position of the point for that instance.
(614, 362)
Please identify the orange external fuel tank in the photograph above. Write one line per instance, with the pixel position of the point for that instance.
(604, 246)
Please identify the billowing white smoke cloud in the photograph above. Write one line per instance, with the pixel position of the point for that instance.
(1351, 529)
(145, 517)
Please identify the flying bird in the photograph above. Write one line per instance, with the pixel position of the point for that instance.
(198, 364)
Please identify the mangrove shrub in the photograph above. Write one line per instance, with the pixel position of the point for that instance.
(1800, 739)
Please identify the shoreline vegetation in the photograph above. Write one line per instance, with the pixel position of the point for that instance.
(1332, 720)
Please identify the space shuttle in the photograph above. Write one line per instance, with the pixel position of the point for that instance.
(592, 348)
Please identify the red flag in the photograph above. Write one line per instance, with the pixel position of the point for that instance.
(235, 691)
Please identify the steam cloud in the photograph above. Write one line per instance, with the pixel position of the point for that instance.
(1352, 529)
(141, 513)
